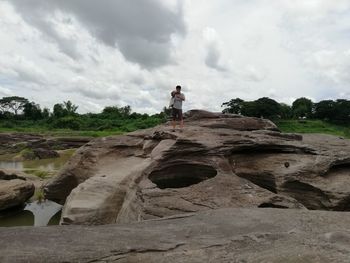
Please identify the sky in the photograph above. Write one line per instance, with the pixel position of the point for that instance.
(117, 52)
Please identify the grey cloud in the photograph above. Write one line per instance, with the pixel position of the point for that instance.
(5, 92)
(34, 12)
(141, 29)
(212, 58)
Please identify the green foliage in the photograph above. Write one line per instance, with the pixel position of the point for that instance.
(39, 195)
(68, 122)
(67, 108)
(32, 111)
(58, 111)
(233, 106)
(12, 104)
(342, 112)
(337, 112)
(70, 108)
(325, 109)
(302, 107)
(115, 111)
(263, 107)
(285, 111)
(313, 126)
(39, 173)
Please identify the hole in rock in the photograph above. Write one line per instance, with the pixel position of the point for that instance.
(181, 175)
(270, 205)
(339, 169)
(310, 196)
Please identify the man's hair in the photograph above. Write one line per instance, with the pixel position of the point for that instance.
(178, 87)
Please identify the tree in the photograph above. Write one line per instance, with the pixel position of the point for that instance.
(32, 111)
(59, 111)
(46, 113)
(342, 112)
(118, 112)
(263, 107)
(268, 108)
(125, 111)
(302, 107)
(70, 107)
(233, 106)
(67, 108)
(325, 109)
(13, 104)
(249, 108)
(285, 111)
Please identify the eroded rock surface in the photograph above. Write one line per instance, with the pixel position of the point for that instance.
(218, 161)
(224, 235)
(14, 190)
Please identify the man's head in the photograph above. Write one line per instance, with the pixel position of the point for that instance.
(178, 88)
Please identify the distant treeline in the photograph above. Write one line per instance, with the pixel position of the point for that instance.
(336, 111)
(18, 111)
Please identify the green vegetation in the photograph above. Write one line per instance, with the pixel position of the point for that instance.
(303, 116)
(17, 114)
(39, 195)
(313, 126)
(336, 112)
(39, 173)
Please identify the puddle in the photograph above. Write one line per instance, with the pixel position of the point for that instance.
(33, 214)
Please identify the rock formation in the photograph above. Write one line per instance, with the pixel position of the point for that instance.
(224, 235)
(218, 161)
(14, 190)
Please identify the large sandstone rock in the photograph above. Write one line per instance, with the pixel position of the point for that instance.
(14, 190)
(218, 161)
(224, 235)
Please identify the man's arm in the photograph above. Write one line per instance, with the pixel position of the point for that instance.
(181, 96)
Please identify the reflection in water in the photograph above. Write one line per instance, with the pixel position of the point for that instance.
(34, 214)
(19, 218)
(50, 165)
(43, 211)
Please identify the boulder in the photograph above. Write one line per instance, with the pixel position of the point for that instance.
(218, 161)
(10, 175)
(14, 193)
(223, 235)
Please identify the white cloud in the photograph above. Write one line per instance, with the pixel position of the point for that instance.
(5, 92)
(114, 54)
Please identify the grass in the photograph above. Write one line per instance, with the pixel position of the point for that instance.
(61, 132)
(39, 195)
(39, 173)
(313, 126)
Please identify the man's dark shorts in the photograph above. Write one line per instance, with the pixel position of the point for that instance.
(177, 114)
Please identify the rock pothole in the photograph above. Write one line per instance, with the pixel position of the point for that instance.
(181, 175)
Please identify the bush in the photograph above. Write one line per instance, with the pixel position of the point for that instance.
(68, 122)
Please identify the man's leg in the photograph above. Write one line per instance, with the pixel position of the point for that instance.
(181, 119)
(174, 118)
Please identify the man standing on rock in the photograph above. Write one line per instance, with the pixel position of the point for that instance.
(176, 103)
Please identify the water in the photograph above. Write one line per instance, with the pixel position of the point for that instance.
(33, 214)
(53, 165)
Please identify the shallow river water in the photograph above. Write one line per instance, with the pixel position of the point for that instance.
(34, 213)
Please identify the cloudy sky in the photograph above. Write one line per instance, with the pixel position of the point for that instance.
(118, 52)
